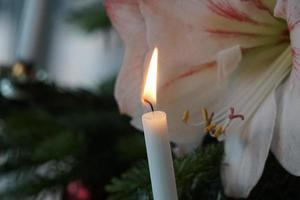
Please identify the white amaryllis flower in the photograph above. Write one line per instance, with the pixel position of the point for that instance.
(219, 54)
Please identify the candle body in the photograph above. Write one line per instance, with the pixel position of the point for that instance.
(33, 19)
(159, 156)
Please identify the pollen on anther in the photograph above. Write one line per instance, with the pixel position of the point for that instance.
(205, 114)
(209, 128)
(186, 116)
(219, 131)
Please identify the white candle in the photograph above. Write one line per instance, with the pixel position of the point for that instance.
(157, 141)
(33, 19)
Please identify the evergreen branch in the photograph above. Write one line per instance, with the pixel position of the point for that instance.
(197, 171)
(34, 186)
(134, 184)
(53, 129)
(90, 18)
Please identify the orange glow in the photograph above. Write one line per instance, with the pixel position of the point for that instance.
(149, 93)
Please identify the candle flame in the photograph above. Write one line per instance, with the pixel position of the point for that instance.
(149, 94)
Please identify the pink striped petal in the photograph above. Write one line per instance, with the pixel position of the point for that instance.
(286, 140)
(200, 44)
(190, 33)
(127, 19)
(252, 94)
(290, 11)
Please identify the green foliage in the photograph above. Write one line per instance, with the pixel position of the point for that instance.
(50, 137)
(36, 150)
(198, 177)
(198, 171)
(195, 171)
(134, 184)
(91, 18)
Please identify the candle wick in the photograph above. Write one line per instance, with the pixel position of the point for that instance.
(150, 104)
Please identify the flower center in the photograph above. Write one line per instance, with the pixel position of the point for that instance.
(212, 128)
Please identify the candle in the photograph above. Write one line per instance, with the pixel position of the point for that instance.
(33, 19)
(157, 140)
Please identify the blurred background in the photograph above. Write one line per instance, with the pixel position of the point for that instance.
(61, 135)
(70, 40)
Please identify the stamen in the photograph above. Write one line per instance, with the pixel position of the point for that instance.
(215, 130)
(219, 130)
(185, 119)
(209, 128)
(209, 121)
(204, 114)
(227, 123)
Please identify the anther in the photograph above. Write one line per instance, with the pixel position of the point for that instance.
(209, 128)
(186, 116)
(219, 131)
(205, 114)
(215, 130)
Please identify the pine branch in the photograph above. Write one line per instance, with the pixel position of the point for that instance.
(34, 186)
(196, 172)
(134, 184)
(90, 18)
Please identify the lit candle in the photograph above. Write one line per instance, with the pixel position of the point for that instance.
(157, 140)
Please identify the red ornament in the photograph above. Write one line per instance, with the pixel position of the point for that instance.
(77, 191)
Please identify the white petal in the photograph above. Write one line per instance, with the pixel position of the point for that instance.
(246, 154)
(227, 61)
(247, 142)
(287, 133)
(286, 142)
